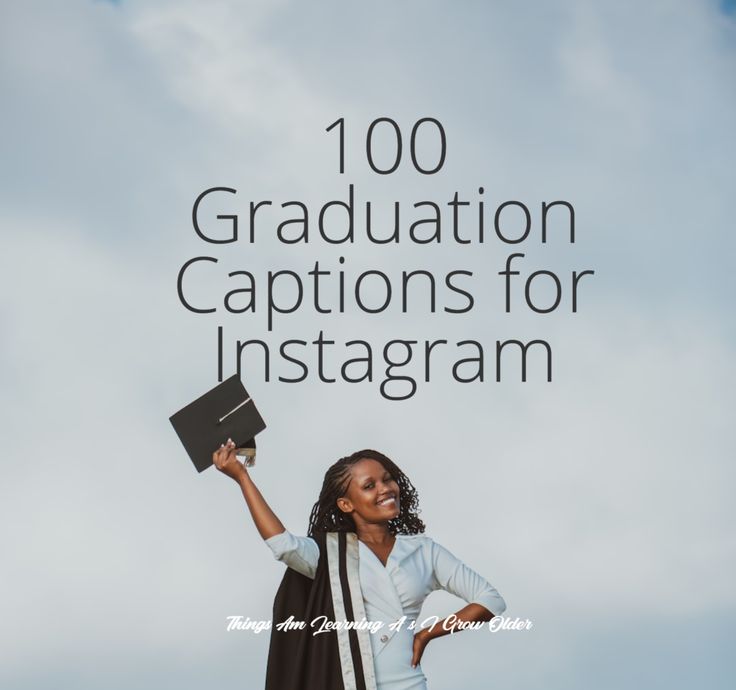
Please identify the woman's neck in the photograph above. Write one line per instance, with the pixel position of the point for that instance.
(374, 533)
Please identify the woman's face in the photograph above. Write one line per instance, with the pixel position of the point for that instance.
(372, 494)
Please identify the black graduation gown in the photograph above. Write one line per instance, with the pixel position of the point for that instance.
(335, 660)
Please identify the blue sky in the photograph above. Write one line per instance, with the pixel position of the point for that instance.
(602, 501)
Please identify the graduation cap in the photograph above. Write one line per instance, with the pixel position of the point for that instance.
(226, 411)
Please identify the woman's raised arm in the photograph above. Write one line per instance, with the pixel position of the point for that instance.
(267, 523)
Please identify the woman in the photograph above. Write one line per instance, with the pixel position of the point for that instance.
(365, 558)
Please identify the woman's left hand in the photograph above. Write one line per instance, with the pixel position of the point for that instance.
(421, 640)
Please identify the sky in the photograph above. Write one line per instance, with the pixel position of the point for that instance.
(599, 504)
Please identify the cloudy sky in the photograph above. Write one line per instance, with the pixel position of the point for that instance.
(599, 505)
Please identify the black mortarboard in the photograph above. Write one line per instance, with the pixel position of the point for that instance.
(224, 412)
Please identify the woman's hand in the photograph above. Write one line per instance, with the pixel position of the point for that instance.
(421, 640)
(227, 462)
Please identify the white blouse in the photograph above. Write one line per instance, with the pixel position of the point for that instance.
(416, 566)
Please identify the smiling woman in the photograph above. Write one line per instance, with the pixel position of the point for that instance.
(366, 565)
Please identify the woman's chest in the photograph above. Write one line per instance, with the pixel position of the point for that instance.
(399, 587)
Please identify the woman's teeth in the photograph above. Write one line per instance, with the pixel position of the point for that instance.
(386, 501)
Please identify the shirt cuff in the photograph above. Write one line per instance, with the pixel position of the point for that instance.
(299, 553)
(493, 602)
(281, 543)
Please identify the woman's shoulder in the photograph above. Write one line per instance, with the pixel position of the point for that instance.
(416, 540)
(417, 537)
(423, 541)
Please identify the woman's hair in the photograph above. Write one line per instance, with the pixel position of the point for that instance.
(327, 517)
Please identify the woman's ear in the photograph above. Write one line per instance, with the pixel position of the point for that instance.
(345, 505)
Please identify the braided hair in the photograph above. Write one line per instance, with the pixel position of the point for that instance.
(327, 517)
